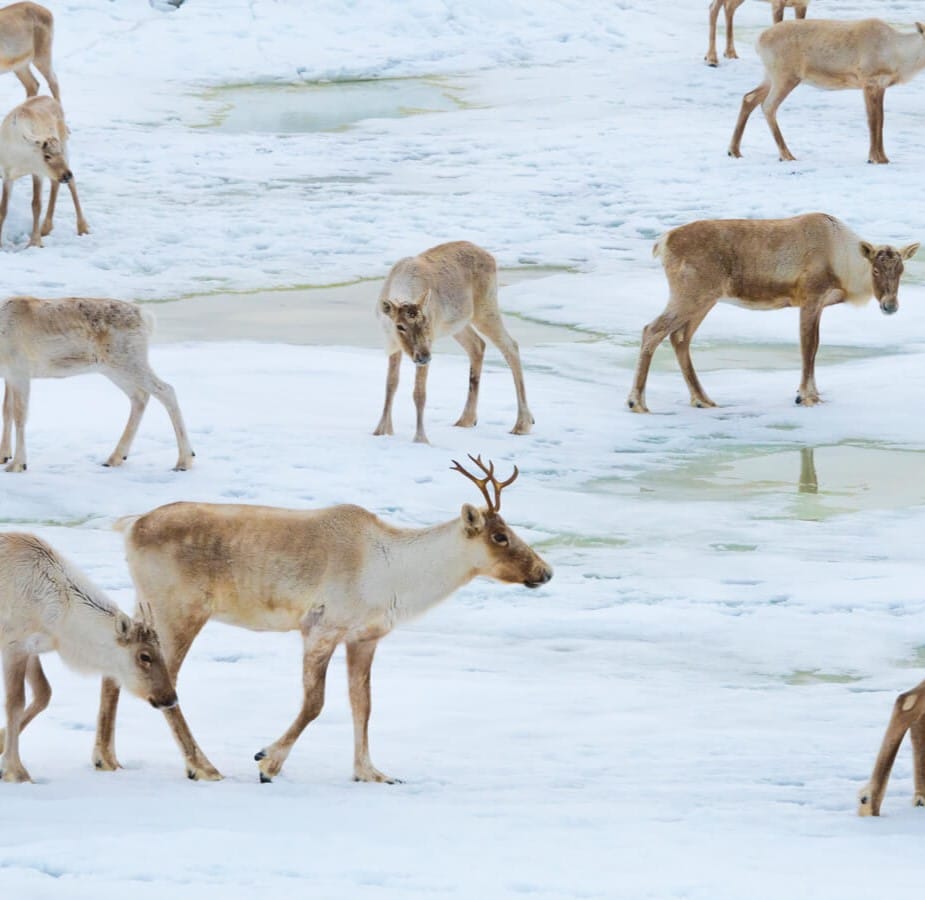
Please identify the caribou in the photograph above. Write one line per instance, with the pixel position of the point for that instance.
(33, 141)
(908, 715)
(869, 55)
(810, 262)
(449, 289)
(47, 603)
(26, 32)
(70, 336)
(337, 575)
(729, 7)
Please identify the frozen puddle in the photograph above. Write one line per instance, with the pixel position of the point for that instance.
(814, 482)
(338, 315)
(328, 106)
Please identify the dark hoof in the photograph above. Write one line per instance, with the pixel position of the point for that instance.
(630, 404)
(920, 802)
(265, 779)
(99, 764)
(191, 775)
(259, 755)
(798, 400)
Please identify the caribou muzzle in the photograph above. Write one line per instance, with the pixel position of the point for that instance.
(421, 359)
(66, 177)
(542, 577)
(160, 703)
(889, 306)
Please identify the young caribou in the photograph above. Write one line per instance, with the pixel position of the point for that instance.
(337, 575)
(730, 7)
(57, 338)
(449, 289)
(868, 55)
(46, 603)
(810, 261)
(908, 715)
(33, 141)
(26, 31)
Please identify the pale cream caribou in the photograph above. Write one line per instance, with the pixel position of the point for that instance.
(70, 336)
(729, 7)
(47, 603)
(337, 575)
(450, 289)
(868, 55)
(33, 141)
(908, 715)
(26, 32)
(810, 261)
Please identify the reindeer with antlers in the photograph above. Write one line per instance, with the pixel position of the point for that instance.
(337, 575)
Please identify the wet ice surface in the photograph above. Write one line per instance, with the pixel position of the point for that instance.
(337, 314)
(295, 108)
(689, 707)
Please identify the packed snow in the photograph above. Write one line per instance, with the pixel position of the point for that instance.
(689, 708)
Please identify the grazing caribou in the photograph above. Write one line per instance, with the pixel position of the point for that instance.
(70, 336)
(810, 261)
(337, 575)
(47, 603)
(449, 289)
(33, 141)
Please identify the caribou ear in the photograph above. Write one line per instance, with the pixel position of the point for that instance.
(123, 625)
(868, 251)
(909, 250)
(386, 308)
(473, 520)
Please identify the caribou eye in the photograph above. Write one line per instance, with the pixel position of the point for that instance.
(145, 658)
(499, 537)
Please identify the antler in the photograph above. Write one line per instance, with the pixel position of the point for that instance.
(482, 483)
(146, 613)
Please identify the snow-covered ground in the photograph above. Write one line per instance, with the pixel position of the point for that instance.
(688, 708)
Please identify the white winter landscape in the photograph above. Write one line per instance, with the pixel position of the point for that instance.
(688, 709)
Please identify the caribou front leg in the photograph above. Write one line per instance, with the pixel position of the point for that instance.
(359, 665)
(391, 383)
(810, 314)
(14, 675)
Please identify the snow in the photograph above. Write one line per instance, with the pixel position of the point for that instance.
(688, 709)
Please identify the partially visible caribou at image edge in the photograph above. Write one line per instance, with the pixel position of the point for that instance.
(48, 604)
(70, 336)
